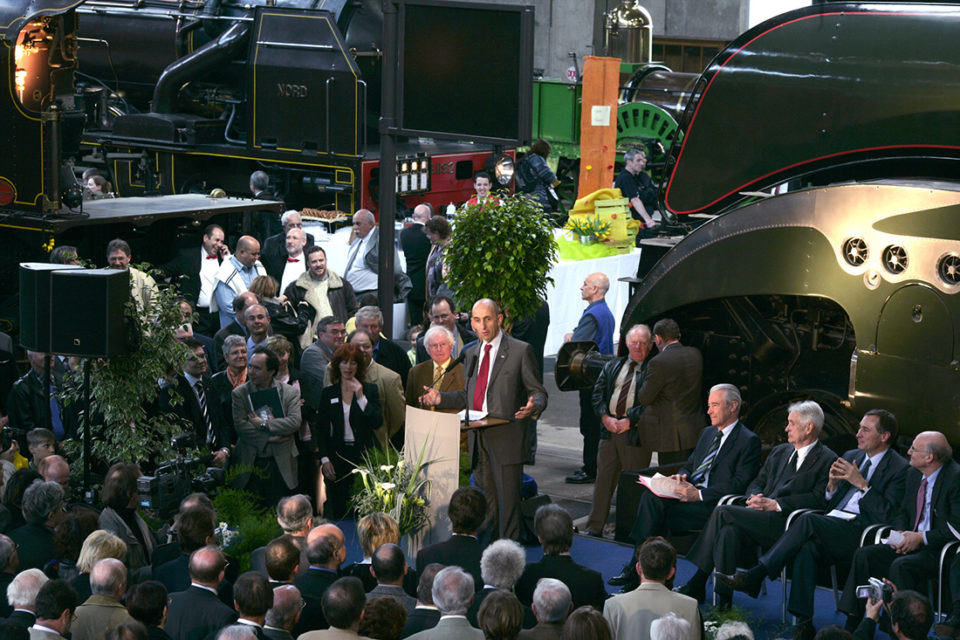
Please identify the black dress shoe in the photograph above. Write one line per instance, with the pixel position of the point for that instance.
(804, 630)
(580, 477)
(950, 627)
(627, 575)
(697, 592)
(741, 581)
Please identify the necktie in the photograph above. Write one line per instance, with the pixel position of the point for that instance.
(202, 397)
(480, 391)
(293, 259)
(353, 255)
(708, 459)
(864, 470)
(625, 390)
(921, 503)
(794, 462)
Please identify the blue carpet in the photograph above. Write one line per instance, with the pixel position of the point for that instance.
(608, 557)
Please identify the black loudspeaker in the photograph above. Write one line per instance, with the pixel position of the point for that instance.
(35, 303)
(86, 312)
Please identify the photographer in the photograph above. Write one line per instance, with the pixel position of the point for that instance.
(910, 616)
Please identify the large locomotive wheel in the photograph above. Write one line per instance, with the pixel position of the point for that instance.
(769, 417)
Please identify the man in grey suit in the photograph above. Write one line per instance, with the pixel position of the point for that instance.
(283, 616)
(263, 439)
(630, 614)
(363, 260)
(56, 602)
(506, 386)
(452, 593)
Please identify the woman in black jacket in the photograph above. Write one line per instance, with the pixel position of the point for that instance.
(348, 414)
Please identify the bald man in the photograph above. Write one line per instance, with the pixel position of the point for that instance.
(103, 610)
(363, 261)
(509, 390)
(416, 249)
(275, 250)
(234, 277)
(596, 325)
(198, 612)
(326, 551)
(55, 469)
(931, 502)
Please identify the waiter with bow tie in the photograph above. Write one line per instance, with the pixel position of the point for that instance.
(194, 269)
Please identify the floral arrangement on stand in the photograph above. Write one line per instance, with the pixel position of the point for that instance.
(390, 484)
(591, 228)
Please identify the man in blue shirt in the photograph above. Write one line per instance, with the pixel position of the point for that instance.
(234, 277)
(595, 324)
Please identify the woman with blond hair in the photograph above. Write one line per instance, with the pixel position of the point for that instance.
(99, 545)
(372, 531)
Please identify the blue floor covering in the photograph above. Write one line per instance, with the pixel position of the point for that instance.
(608, 557)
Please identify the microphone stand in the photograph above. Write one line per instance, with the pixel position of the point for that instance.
(468, 404)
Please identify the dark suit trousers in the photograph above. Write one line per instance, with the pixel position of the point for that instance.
(590, 430)
(878, 560)
(813, 540)
(732, 533)
(501, 485)
(613, 456)
(658, 516)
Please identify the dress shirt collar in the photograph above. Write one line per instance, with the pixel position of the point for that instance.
(191, 380)
(205, 587)
(802, 452)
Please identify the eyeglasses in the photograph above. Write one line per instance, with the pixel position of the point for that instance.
(439, 345)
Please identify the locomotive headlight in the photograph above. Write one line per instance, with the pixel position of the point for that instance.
(503, 169)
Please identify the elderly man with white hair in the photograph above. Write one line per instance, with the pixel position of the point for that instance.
(670, 627)
(437, 372)
(283, 616)
(363, 259)
(552, 604)
(452, 595)
(103, 610)
(274, 246)
(501, 565)
(22, 596)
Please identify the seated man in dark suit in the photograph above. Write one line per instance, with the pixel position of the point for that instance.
(552, 603)
(724, 461)
(252, 598)
(295, 517)
(931, 503)
(196, 612)
(865, 487)
(793, 477)
(554, 528)
(284, 614)
(326, 551)
(468, 508)
(22, 595)
(425, 615)
(282, 559)
(196, 527)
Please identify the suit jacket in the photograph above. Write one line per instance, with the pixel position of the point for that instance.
(95, 616)
(421, 619)
(421, 375)
(315, 581)
(137, 555)
(258, 558)
(944, 504)
(586, 585)
(329, 430)
(5, 608)
(390, 355)
(35, 545)
(513, 380)
(190, 411)
(671, 395)
(184, 270)
(175, 576)
(880, 504)
(543, 631)
(313, 373)
(23, 618)
(800, 489)
(223, 393)
(332, 634)
(273, 254)
(606, 387)
(276, 634)
(416, 248)
(253, 443)
(450, 629)
(463, 551)
(196, 613)
(409, 603)
(735, 465)
(630, 614)
(40, 634)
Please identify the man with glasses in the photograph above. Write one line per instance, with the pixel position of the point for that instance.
(443, 314)
(436, 373)
(234, 277)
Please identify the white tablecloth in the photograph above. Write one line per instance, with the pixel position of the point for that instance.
(566, 306)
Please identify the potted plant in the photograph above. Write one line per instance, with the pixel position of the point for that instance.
(504, 251)
(389, 484)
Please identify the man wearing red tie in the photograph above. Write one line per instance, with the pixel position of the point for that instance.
(506, 385)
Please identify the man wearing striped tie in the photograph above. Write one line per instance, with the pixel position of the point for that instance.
(725, 460)
(199, 406)
(865, 487)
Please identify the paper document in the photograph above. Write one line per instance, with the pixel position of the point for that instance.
(474, 415)
(660, 485)
(893, 538)
(843, 515)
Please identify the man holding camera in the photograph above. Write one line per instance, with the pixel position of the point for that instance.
(911, 552)
(910, 616)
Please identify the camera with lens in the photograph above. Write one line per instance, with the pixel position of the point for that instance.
(875, 589)
(174, 480)
(9, 435)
